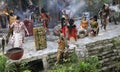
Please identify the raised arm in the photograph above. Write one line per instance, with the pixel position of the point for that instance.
(25, 28)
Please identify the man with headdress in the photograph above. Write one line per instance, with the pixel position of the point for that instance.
(104, 13)
(44, 18)
(12, 19)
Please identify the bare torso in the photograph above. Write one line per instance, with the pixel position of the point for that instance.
(18, 27)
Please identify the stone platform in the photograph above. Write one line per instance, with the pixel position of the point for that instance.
(48, 55)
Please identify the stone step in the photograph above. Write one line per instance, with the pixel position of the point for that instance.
(108, 63)
(95, 48)
(118, 47)
(104, 53)
(99, 43)
(101, 48)
(94, 53)
(51, 60)
(107, 55)
(103, 69)
(98, 53)
(103, 61)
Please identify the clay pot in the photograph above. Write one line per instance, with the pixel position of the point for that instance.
(15, 53)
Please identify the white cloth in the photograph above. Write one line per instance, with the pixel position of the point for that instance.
(16, 39)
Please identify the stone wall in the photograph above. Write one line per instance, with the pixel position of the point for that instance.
(51, 59)
(108, 52)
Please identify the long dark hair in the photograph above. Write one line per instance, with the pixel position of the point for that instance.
(95, 17)
(62, 22)
(71, 22)
(43, 10)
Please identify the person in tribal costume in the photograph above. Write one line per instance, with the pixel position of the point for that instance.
(104, 13)
(84, 23)
(44, 19)
(72, 31)
(94, 26)
(18, 33)
(64, 28)
(29, 26)
(12, 18)
(84, 27)
(62, 48)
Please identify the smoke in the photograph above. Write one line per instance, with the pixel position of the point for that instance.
(115, 8)
(72, 7)
(51, 4)
(75, 7)
(2, 5)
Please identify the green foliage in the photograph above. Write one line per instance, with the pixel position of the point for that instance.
(116, 42)
(89, 65)
(22, 67)
(93, 63)
(75, 65)
(73, 57)
(6, 66)
(27, 71)
(117, 68)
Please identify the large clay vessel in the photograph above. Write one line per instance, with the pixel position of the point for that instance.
(15, 53)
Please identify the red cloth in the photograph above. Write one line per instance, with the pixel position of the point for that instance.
(29, 26)
(64, 29)
(43, 15)
(73, 33)
(45, 19)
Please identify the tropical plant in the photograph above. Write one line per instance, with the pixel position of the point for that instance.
(22, 67)
(6, 66)
(27, 71)
(90, 64)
